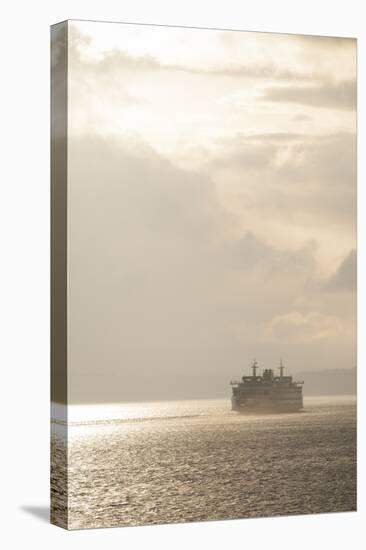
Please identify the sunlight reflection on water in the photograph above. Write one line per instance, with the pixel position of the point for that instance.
(196, 460)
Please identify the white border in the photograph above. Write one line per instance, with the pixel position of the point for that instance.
(24, 219)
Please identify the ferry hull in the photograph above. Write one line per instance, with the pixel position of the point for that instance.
(268, 406)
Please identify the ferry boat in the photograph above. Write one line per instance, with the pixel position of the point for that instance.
(266, 392)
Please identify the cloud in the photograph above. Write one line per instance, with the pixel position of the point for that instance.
(97, 84)
(276, 137)
(295, 326)
(161, 289)
(242, 156)
(120, 60)
(302, 118)
(257, 71)
(178, 276)
(345, 277)
(145, 279)
(328, 95)
(303, 180)
(254, 254)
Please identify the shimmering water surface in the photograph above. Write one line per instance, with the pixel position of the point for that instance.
(196, 460)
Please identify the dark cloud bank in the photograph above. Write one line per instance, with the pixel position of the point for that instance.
(163, 302)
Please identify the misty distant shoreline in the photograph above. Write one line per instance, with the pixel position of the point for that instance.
(327, 382)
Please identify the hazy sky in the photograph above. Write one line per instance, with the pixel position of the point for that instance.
(212, 208)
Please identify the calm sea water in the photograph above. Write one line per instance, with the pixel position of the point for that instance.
(196, 460)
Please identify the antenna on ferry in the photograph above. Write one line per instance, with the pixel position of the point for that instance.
(281, 367)
(254, 367)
